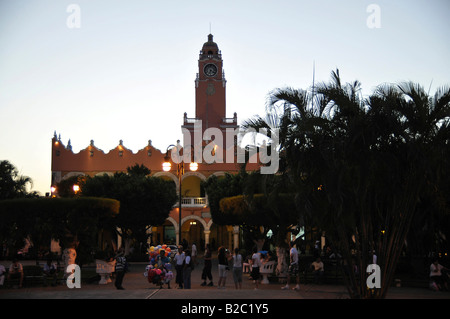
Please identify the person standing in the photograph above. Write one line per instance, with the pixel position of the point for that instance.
(187, 269)
(194, 253)
(162, 261)
(237, 269)
(179, 260)
(223, 257)
(256, 264)
(206, 273)
(121, 262)
(293, 267)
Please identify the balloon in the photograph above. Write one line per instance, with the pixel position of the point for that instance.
(152, 248)
(150, 275)
(158, 271)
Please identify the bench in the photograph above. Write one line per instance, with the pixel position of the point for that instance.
(247, 266)
(333, 273)
(267, 269)
(31, 275)
(105, 270)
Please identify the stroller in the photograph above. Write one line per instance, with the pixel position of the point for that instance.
(159, 276)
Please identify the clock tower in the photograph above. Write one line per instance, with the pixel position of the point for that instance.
(210, 97)
(210, 86)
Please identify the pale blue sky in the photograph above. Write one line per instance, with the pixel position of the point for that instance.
(128, 73)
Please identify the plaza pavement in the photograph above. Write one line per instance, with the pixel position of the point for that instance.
(137, 287)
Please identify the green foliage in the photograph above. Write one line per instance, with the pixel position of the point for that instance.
(144, 201)
(221, 187)
(359, 168)
(258, 210)
(68, 220)
(235, 208)
(65, 187)
(138, 170)
(12, 184)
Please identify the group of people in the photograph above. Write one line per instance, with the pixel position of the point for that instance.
(185, 261)
(184, 264)
(317, 268)
(15, 271)
(225, 258)
(438, 276)
(184, 258)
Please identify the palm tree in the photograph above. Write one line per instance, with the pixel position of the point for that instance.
(375, 157)
(12, 184)
(276, 191)
(358, 167)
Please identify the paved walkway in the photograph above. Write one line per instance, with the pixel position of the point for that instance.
(137, 287)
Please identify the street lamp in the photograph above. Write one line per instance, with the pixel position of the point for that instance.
(167, 166)
(52, 191)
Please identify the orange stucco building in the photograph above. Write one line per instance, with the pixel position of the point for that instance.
(210, 115)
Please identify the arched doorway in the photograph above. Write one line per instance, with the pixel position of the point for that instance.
(219, 236)
(193, 231)
(194, 234)
(164, 234)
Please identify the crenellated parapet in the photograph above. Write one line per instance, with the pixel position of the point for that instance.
(92, 159)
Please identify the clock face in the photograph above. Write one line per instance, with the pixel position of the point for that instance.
(210, 69)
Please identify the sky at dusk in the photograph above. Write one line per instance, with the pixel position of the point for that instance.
(124, 70)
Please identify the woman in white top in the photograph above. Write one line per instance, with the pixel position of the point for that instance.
(237, 269)
(179, 260)
(256, 263)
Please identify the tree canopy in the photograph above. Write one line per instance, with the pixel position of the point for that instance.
(144, 200)
(361, 168)
(12, 184)
(67, 220)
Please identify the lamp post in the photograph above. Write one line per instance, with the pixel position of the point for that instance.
(167, 166)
